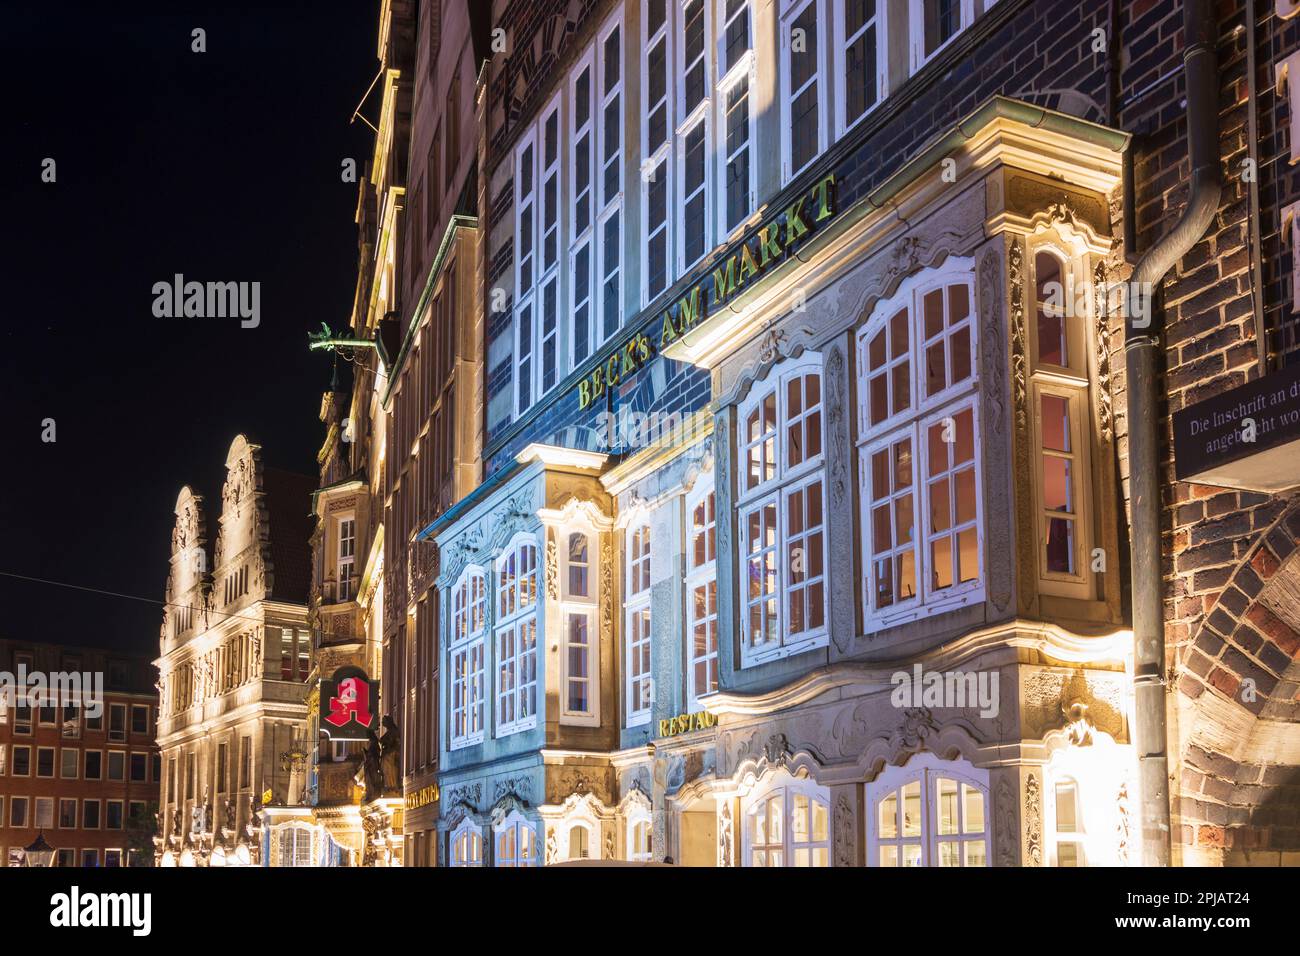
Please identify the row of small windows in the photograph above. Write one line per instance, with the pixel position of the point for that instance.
(38, 813)
(75, 719)
(75, 764)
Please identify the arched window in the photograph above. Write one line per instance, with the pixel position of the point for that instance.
(918, 458)
(466, 845)
(1061, 414)
(516, 637)
(788, 824)
(294, 843)
(782, 513)
(930, 813)
(638, 839)
(637, 629)
(467, 650)
(516, 841)
(701, 590)
(579, 842)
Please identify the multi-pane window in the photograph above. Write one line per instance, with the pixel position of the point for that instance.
(579, 842)
(295, 654)
(1059, 393)
(657, 129)
(610, 180)
(934, 23)
(579, 657)
(516, 637)
(693, 133)
(917, 465)
(294, 844)
(526, 269)
(582, 200)
(935, 814)
(1069, 833)
(782, 512)
(466, 845)
(803, 87)
(467, 650)
(516, 842)
(639, 686)
(548, 300)
(638, 839)
(735, 134)
(859, 59)
(347, 558)
(789, 825)
(702, 591)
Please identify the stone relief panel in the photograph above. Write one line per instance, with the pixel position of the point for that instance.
(1047, 696)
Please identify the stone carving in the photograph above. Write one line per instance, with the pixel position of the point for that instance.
(521, 787)
(777, 748)
(552, 847)
(772, 346)
(836, 379)
(552, 567)
(609, 845)
(467, 793)
(918, 724)
(725, 835)
(1004, 824)
(994, 338)
(1124, 824)
(1105, 411)
(1033, 822)
(607, 592)
(844, 831)
(1019, 343)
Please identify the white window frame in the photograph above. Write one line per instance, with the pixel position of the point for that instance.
(778, 489)
(638, 689)
(31, 769)
(663, 153)
(927, 769)
(345, 561)
(523, 831)
(687, 124)
(1071, 382)
(63, 764)
(784, 787)
(514, 619)
(590, 717)
(914, 422)
(637, 818)
(791, 11)
(916, 32)
(701, 575)
(467, 836)
(840, 45)
(525, 299)
(609, 206)
(593, 841)
(472, 682)
(548, 275)
(297, 834)
(746, 69)
(586, 236)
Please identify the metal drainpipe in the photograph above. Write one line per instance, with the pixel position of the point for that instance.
(1201, 75)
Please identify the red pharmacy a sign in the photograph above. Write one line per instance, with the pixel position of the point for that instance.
(349, 705)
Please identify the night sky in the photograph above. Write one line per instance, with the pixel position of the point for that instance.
(222, 166)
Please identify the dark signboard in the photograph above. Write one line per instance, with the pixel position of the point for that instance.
(1247, 438)
(349, 705)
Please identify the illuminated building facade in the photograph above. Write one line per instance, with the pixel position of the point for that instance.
(86, 782)
(803, 534)
(235, 652)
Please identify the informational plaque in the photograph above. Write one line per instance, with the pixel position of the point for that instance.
(1248, 438)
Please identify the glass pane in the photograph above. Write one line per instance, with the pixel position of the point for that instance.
(968, 560)
(898, 334)
(888, 816)
(941, 563)
(947, 800)
(1067, 854)
(948, 853)
(889, 856)
(932, 306)
(975, 853)
(1056, 484)
(1060, 545)
(1066, 808)
(799, 819)
(820, 822)
(912, 809)
(972, 809)
(911, 854)
(1056, 422)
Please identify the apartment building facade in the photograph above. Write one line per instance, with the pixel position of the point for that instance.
(82, 772)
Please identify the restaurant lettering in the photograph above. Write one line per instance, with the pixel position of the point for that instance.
(422, 797)
(686, 723)
(771, 244)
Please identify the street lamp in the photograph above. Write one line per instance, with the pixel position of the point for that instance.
(39, 853)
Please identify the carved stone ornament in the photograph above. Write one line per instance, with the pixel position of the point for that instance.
(1105, 411)
(607, 592)
(1004, 824)
(844, 831)
(1033, 821)
(552, 847)
(836, 381)
(726, 835)
(1019, 342)
(552, 567)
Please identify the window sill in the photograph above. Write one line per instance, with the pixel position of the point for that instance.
(766, 656)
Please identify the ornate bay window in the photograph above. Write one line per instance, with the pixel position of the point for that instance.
(467, 651)
(929, 813)
(781, 505)
(516, 636)
(918, 462)
(580, 627)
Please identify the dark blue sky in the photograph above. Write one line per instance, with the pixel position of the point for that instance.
(222, 166)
